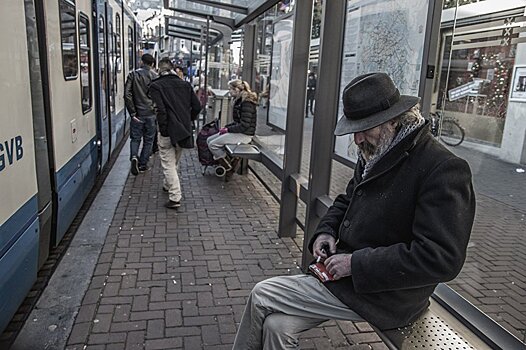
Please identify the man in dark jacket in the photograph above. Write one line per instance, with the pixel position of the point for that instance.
(311, 92)
(401, 228)
(140, 107)
(176, 106)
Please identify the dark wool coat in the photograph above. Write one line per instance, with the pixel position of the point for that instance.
(176, 105)
(407, 226)
(245, 118)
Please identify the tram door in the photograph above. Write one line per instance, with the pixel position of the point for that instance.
(41, 122)
(103, 120)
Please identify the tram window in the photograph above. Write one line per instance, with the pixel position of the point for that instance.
(131, 61)
(68, 31)
(118, 33)
(85, 62)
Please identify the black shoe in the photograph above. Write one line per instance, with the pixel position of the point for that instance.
(143, 168)
(134, 166)
(172, 204)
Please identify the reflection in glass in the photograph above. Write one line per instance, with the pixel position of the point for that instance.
(68, 31)
(481, 49)
(102, 67)
(267, 134)
(479, 80)
(340, 177)
(312, 82)
(112, 78)
(279, 77)
(131, 61)
(85, 63)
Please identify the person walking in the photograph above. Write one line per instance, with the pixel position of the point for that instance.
(401, 228)
(176, 106)
(242, 128)
(140, 107)
(311, 93)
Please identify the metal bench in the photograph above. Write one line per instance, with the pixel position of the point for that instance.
(245, 151)
(435, 329)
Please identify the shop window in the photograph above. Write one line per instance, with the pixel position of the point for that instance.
(476, 70)
(68, 32)
(85, 62)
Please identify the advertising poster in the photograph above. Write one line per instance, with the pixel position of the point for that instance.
(279, 77)
(382, 36)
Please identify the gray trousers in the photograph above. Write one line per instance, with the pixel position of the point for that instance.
(217, 142)
(170, 156)
(280, 308)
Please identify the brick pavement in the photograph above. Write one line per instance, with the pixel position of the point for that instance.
(179, 280)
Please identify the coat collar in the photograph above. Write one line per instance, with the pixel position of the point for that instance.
(395, 155)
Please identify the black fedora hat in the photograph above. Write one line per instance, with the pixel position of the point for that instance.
(370, 100)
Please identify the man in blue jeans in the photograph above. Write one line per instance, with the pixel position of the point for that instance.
(140, 107)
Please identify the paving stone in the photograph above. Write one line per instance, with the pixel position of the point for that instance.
(229, 242)
(166, 343)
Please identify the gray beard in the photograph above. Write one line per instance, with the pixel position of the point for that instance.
(370, 151)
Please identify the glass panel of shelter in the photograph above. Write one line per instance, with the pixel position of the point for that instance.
(481, 86)
(274, 38)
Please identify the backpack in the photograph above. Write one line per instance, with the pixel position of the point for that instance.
(205, 156)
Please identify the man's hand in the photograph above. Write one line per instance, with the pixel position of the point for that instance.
(339, 265)
(321, 240)
(223, 131)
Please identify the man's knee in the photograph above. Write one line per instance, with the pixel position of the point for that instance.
(276, 323)
(266, 289)
(278, 331)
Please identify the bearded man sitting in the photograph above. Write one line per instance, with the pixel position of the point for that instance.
(401, 228)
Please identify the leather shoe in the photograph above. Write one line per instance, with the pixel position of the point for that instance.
(172, 204)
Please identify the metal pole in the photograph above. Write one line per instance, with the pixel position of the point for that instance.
(191, 73)
(160, 48)
(200, 65)
(295, 116)
(325, 115)
(206, 68)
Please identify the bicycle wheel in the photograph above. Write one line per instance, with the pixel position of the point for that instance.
(452, 133)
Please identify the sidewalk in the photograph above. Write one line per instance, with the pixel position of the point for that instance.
(169, 279)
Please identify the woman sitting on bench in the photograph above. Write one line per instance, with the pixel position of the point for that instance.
(241, 130)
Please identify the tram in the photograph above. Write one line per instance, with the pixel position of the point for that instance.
(64, 65)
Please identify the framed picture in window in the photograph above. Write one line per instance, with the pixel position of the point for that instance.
(518, 87)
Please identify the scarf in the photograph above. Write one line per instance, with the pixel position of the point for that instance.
(406, 130)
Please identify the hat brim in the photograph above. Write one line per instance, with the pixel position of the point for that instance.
(347, 126)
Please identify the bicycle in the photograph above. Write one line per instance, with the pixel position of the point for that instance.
(449, 131)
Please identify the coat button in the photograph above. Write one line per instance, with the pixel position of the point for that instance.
(359, 192)
(346, 223)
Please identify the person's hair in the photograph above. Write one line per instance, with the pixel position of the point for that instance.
(165, 65)
(148, 59)
(245, 92)
(409, 117)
